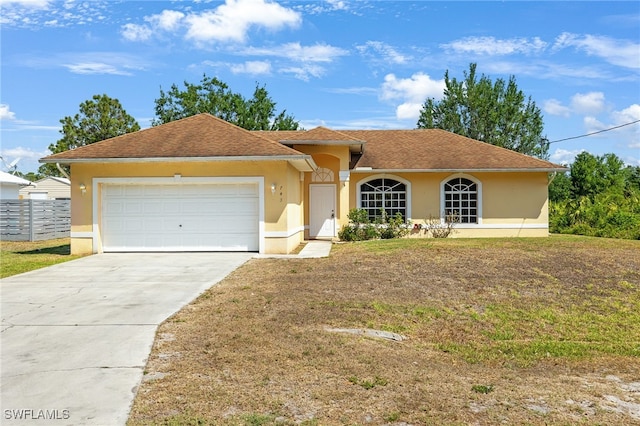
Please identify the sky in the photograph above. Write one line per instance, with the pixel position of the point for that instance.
(336, 63)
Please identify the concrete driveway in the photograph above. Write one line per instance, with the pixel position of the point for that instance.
(75, 337)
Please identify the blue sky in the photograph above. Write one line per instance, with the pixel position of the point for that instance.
(341, 64)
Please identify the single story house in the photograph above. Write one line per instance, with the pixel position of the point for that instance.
(10, 186)
(49, 188)
(203, 184)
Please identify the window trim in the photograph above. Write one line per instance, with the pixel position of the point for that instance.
(479, 200)
(386, 176)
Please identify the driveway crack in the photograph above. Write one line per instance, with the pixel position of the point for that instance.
(68, 370)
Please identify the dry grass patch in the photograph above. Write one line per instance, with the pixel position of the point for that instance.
(531, 331)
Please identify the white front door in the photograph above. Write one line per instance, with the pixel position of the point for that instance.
(322, 210)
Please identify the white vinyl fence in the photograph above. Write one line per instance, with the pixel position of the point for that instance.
(34, 220)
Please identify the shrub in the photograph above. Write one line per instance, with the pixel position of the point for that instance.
(442, 228)
(360, 227)
(392, 226)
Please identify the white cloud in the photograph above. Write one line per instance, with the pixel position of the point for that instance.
(563, 156)
(411, 92)
(387, 53)
(232, 20)
(555, 107)
(43, 13)
(168, 20)
(252, 67)
(627, 115)
(588, 103)
(304, 72)
(295, 51)
(229, 22)
(23, 153)
(135, 32)
(593, 124)
(315, 8)
(27, 157)
(306, 58)
(114, 63)
(496, 47)
(6, 113)
(591, 103)
(623, 53)
(337, 4)
(38, 4)
(95, 68)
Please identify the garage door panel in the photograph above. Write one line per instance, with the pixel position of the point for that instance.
(180, 217)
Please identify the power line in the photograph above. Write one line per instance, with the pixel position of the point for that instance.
(595, 133)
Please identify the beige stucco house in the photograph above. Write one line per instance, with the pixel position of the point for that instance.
(48, 188)
(202, 184)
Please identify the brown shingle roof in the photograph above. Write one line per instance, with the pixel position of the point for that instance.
(206, 136)
(423, 149)
(435, 149)
(201, 135)
(318, 134)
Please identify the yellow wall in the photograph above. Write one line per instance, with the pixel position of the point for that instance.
(283, 227)
(513, 204)
(335, 158)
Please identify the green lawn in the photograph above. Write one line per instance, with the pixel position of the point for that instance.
(17, 257)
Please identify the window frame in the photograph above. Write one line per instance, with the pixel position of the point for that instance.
(406, 183)
(478, 184)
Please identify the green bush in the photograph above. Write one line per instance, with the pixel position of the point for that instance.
(391, 226)
(611, 214)
(360, 227)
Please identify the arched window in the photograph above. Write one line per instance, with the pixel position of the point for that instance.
(383, 193)
(461, 199)
(322, 175)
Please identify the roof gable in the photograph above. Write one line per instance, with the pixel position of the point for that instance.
(201, 135)
(435, 149)
(320, 134)
(418, 149)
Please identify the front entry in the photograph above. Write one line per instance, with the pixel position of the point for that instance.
(322, 210)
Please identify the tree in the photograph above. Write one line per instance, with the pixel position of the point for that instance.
(560, 187)
(602, 198)
(496, 113)
(100, 118)
(591, 175)
(216, 98)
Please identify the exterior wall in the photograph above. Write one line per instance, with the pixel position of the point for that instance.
(512, 204)
(283, 229)
(54, 189)
(335, 158)
(9, 191)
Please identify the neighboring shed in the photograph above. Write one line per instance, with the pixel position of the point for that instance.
(49, 188)
(10, 186)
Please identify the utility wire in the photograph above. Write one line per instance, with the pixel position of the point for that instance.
(595, 133)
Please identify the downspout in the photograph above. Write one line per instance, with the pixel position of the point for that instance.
(62, 171)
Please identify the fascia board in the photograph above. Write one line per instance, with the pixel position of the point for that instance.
(371, 170)
(179, 159)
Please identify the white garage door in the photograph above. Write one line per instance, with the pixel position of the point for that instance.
(180, 217)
